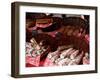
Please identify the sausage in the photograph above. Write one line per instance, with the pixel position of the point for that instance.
(66, 53)
(74, 54)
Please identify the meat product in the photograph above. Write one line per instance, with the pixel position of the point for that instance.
(54, 58)
(64, 62)
(66, 53)
(86, 59)
(79, 57)
(57, 60)
(77, 60)
(51, 54)
(34, 43)
(74, 54)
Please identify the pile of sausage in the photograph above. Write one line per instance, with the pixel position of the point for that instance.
(65, 57)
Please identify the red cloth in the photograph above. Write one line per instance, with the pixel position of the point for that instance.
(48, 62)
(33, 61)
